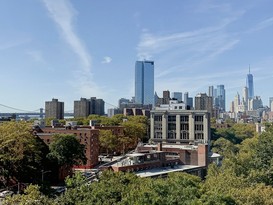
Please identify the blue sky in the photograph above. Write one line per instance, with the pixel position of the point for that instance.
(71, 49)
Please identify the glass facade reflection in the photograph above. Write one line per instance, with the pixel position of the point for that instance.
(144, 82)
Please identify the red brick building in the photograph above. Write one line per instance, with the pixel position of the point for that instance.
(87, 136)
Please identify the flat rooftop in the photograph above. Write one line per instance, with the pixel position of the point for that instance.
(165, 170)
(178, 146)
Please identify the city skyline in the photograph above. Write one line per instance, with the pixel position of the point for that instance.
(73, 49)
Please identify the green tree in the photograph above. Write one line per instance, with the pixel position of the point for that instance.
(67, 151)
(21, 152)
(108, 141)
(31, 196)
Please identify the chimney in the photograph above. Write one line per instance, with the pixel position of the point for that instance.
(159, 146)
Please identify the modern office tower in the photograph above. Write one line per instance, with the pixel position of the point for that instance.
(255, 103)
(249, 85)
(96, 106)
(203, 102)
(144, 82)
(220, 101)
(166, 97)
(85, 107)
(271, 104)
(188, 101)
(211, 91)
(245, 100)
(54, 109)
(177, 96)
(81, 108)
(123, 101)
(180, 126)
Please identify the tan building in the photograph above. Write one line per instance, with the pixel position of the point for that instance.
(180, 126)
(54, 109)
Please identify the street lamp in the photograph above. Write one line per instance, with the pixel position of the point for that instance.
(44, 172)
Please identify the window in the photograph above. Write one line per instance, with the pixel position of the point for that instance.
(198, 127)
(172, 118)
(198, 118)
(184, 118)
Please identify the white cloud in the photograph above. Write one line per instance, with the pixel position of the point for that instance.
(106, 60)
(211, 41)
(262, 25)
(62, 13)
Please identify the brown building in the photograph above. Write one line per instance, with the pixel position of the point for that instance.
(87, 136)
(54, 109)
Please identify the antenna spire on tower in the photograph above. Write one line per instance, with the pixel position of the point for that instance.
(249, 68)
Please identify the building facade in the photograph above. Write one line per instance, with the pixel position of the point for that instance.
(204, 102)
(250, 85)
(81, 108)
(180, 126)
(85, 107)
(87, 136)
(177, 96)
(54, 109)
(144, 82)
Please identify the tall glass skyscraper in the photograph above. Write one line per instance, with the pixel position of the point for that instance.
(220, 98)
(144, 82)
(249, 85)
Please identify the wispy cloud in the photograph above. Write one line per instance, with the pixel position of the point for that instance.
(106, 60)
(63, 14)
(36, 55)
(262, 25)
(8, 45)
(210, 40)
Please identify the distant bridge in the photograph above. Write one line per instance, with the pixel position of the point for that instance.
(23, 114)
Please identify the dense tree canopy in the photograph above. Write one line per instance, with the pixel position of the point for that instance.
(67, 150)
(21, 153)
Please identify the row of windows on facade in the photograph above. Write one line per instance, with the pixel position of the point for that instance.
(183, 136)
(172, 118)
(183, 127)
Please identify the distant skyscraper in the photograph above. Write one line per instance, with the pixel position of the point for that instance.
(220, 97)
(271, 103)
(177, 95)
(249, 85)
(211, 91)
(144, 82)
(54, 109)
(203, 102)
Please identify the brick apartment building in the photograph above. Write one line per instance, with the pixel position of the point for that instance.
(87, 136)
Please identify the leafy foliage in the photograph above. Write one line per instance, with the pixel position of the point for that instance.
(67, 150)
(21, 152)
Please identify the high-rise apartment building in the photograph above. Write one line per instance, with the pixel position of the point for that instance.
(177, 96)
(166, 97)
(96, 106)
(85, 107)
(81, 108)
(249, 85)
(203, 102)
(54, 109)
(144, 82)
